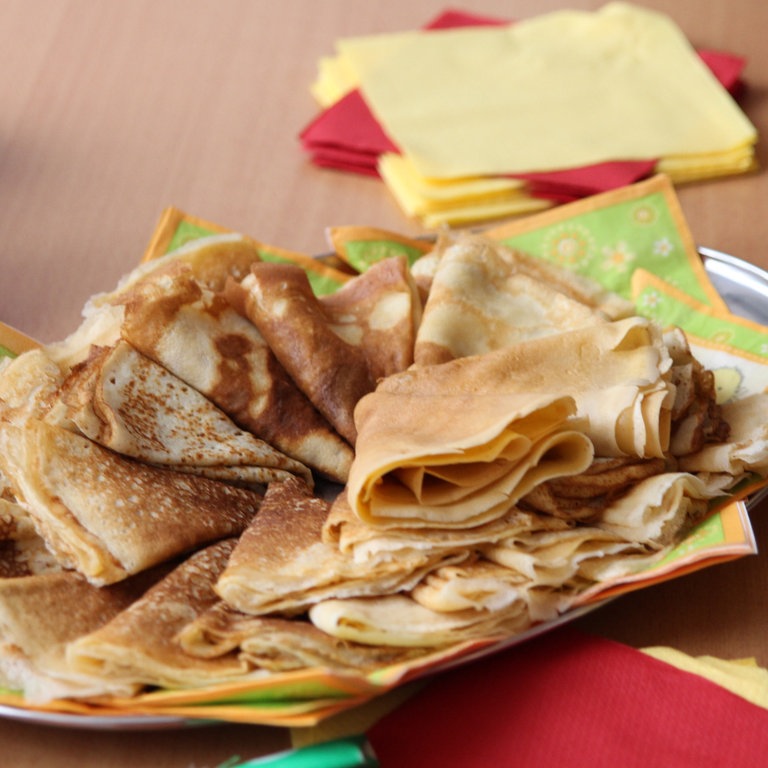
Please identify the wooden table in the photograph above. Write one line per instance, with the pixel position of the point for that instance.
(110, 112)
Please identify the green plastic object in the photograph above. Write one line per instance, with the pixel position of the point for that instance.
(350, 752)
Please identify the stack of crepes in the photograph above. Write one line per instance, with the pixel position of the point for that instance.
(476, 118)
(500, 436)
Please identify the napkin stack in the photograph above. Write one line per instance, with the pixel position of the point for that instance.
(568, 698)
(474, 118)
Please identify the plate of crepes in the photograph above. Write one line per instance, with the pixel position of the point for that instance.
(230, 497)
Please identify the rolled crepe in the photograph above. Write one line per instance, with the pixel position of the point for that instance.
(206, 343)
(41, 614)
(485, 586)
(108, 516)
(330, 371)
(281, 645)
(484, 297)
(282, 565)
(127, 402)
(457, 459)
(398, 620)
(139, 646)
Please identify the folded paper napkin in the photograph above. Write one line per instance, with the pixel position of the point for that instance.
(571, 699)
(426, 110)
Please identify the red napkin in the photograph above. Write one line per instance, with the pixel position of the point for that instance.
(347, 137)
(570, 699)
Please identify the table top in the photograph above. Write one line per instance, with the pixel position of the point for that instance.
(113, 111)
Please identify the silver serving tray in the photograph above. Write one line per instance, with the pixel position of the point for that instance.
(743, 287)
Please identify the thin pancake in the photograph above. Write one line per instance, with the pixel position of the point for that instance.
(583, 497)
(281, 645)
(368, 544)
(618, 373)
(22, 550)
(139, 646)
(204, 341)
(475, 585)
(457, 459)
(745, 450)
(41, 614)
(282, 565)
(207, 261)
(658, 509)
(378, 311)
(697, 418)
(28, 385)
(483, 298)
(210, 261)
(67, 482)
(398, 620)
(331, 372)
(555, 557)
(127, 402)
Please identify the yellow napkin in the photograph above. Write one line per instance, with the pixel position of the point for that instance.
(563, 90)
(740, 676)
(443, 201)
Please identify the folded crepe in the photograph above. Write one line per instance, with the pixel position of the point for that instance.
(282, 565)
(657, 510)
(398, 620)
(205, 342)
(210, 261)
(40, 614)
(139, 646)
(100, 327)
(28, 385)
(369, 544)
(431, 454)
(332, 372)
(697, 417)
(617, 372)
(206, 261)
(127, 402)
(746, 449)
(583, 497)
(475, 585)
(281, 645)
(484, 296)
(631, 532)
(22, 549)
(108, 516)
(484, 585)
(554, 556)
(379, 311)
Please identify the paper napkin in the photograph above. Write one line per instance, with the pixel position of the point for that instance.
(571, 699)
(436, 135)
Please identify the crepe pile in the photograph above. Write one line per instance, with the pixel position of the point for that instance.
(476, 118)
(222, 475)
